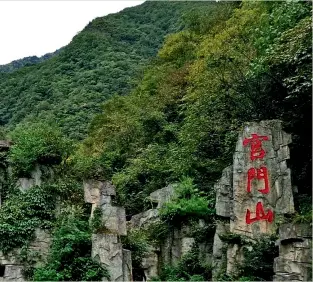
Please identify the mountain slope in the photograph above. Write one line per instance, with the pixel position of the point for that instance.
(102, 60)
(27, 61)
(183, 118)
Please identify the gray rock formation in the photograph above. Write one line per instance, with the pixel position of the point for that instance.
(260, 162)
(150, 263)
(255, 191)
(12, 273)
(99, 194)
(145, 218)
(161, 196)
(106, 247)
(295, 253)
(13, 266)
(223, 189)
(219, 263)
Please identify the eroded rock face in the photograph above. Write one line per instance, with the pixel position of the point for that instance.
(223, 189)
(106, 247)
(144, 218)
(13, 273)
(114, 219)
(150, 263)
(26, 183)
(161, 196)
(99, 194)
(107, 250)
(295, 253)
(13, 265)
(219, 262)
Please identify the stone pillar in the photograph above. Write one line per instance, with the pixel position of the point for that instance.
(13, 265)
(295, 253)
(223, 207)
(107, 247)
(255, 191)
(261, 180)
(219, 262)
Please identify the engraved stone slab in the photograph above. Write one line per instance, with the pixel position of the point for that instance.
(262, 149)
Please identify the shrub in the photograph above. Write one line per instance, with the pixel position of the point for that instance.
(189, 268)
(258, 261)
(136, 242)
(37, 143)
(189, 204)
(70, 254)
(21, 214)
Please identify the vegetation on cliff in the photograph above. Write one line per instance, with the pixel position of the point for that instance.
(244, 64)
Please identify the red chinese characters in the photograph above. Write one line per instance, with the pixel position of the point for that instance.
(258, 174)
(256, 146)
(259, 214)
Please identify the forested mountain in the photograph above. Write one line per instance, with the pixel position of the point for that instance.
(27, 61)
(164, 88)
(244, 64)
(104, 59)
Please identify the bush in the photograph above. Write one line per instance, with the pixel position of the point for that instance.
(136, 242)
(37, 143)
(258, 261)
(70, 254)
(189, 204)
(21, 214)
(189, 268)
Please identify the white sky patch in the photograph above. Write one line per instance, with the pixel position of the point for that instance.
(34, 28)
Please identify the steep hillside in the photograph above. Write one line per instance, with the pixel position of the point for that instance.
(183, 118)
(102, 60)
(176, 130)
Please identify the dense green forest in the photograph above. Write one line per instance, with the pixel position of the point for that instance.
(242, 64)
(27, 61)
(158, 94)
(104, 59)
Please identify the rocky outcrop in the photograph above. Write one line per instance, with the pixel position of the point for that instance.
(219, 262)
(106, 245)
(161, 196)
(177, 243)
(223, 190)
(254, 192)
(295, 253)
(12, 273)
(11, 262)
(156, 255)
(261, 180)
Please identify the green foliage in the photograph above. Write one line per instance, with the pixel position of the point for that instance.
(189, 268)
(27, 61)
(106, 58)
(251, 62)
(188, 204)
(137, 242)
(303, 205)
(203, 233)
(158, 231)
(96, 221)
(70, 254)
(21, 214)
(258, 261)
(37, 144)
(233, 238)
